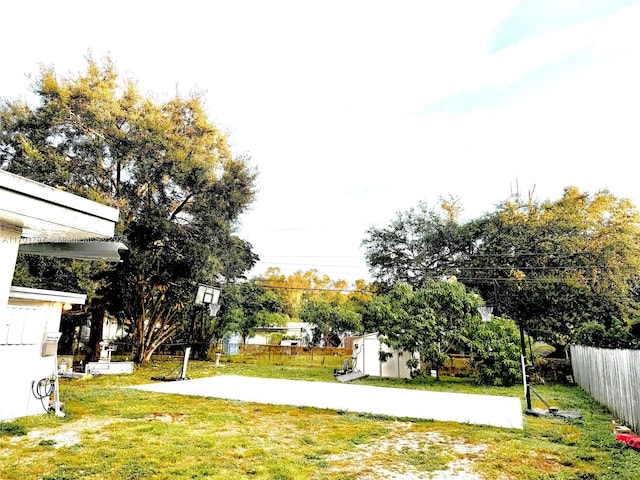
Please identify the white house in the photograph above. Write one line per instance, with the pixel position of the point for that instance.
(38, 219)
(367, 358)
(29, 333)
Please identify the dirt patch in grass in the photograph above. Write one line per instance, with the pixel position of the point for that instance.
(168, 417)
(70, 433)
(65, 435)
(417, 455)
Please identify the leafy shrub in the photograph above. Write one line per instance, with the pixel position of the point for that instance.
(496, 353)
(595, 334)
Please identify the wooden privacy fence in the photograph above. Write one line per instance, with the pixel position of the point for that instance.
(612, 377)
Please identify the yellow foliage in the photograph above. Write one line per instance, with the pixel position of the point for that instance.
(300, 286)
(452, 207)
(49, 83)
(517, 274)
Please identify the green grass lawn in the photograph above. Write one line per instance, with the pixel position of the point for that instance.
(110, 432)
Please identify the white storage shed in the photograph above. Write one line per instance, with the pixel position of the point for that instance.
(367, 358)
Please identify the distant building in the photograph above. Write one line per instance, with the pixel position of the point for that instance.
(293, 334)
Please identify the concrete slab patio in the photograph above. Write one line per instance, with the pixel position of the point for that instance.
(496, 411)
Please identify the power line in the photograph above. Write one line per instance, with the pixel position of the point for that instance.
(312, 264)
(463, 267)
(313, 256)
(313, 289)
(515, 280)
(488, 268)
(468, 255)
(559, 267)
(525, 254)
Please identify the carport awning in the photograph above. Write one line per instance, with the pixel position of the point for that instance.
(97, 250)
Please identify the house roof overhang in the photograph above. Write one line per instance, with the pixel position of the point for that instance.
(46, 214)
(56, 223)
(93, 250)
(36, 294)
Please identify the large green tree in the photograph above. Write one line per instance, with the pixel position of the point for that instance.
(419, 244)
(496, 353)
(331, 318)
(246, 306)
(169, 170)
(552, 265)
(555, 265)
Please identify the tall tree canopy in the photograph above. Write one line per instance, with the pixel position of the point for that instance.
(167, 168)
(420, 244)
(558, 264)
(553, 265)
(332, 320)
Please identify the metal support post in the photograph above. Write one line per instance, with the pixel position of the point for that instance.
(523, 360)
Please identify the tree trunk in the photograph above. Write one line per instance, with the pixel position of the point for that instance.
(147, 356)
(96, 310)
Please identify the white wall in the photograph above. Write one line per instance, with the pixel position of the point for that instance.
(22, 330)
(9, 244)
(31, 210)
(258, 339)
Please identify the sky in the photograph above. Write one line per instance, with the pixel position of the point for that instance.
(353, 111)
